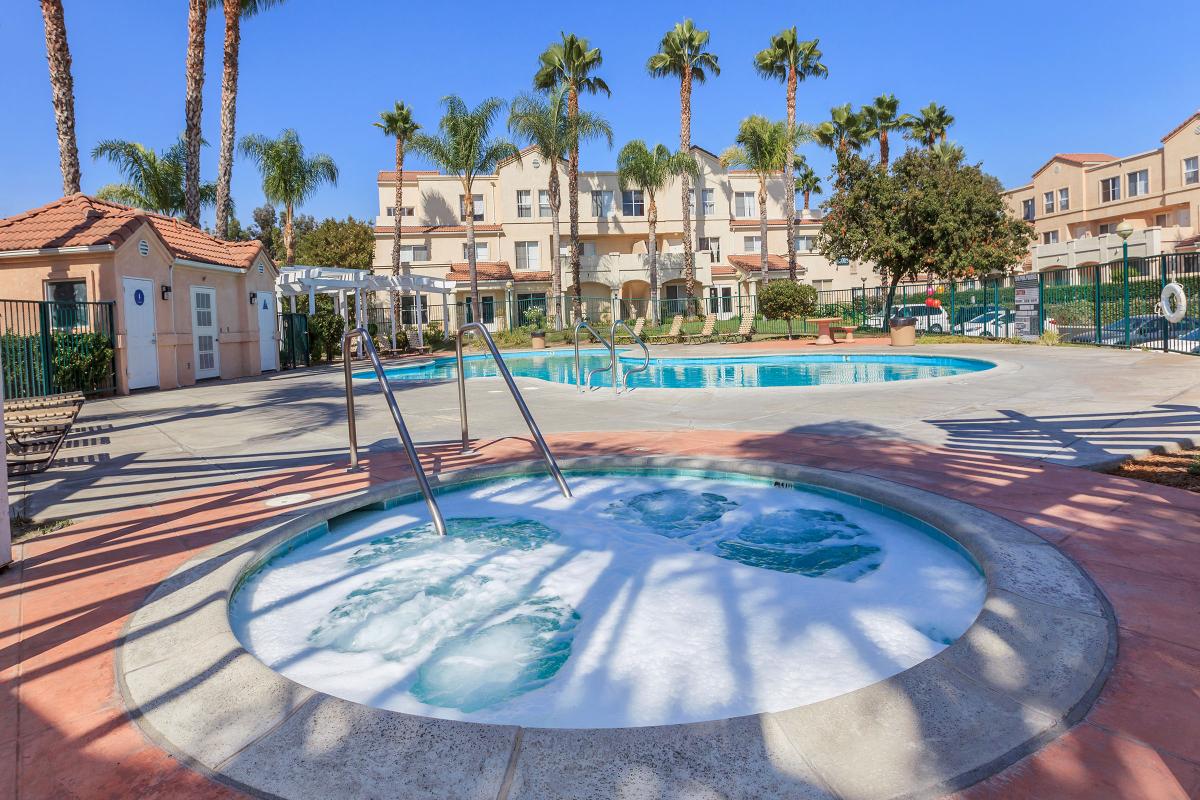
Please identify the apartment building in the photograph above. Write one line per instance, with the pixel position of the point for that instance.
(1076, 201)
(513, 237)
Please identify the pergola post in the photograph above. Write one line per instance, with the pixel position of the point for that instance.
(312, 299)
(446, 313)
(420, 334)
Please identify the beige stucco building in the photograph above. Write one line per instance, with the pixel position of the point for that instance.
(513, 236)
(186, 306)
(1076, 201)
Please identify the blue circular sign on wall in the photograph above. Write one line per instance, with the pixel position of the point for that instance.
(139, 296)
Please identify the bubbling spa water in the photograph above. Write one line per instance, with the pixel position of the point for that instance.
(645, 599)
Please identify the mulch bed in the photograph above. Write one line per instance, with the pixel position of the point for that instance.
(1180, 470)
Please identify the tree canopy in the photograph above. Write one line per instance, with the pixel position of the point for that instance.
(345, 242)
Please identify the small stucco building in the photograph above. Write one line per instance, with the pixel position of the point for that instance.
(187, 306)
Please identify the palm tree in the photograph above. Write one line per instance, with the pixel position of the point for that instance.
(153, 181)
(842, 132)
(546, 125)
(763, 147)
(570, 65)
(399, 124)
(62, 91)
(193, 102)
(650, 171)
(682, 55)
(791, 61)
(881, 117)
(289, 177)
(930, 125)
(807, 181)
(947, 152)
(234, 11)
(464, 148)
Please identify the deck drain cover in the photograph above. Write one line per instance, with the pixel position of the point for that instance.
(287, 500)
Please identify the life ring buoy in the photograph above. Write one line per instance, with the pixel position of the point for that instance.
(1172, 303)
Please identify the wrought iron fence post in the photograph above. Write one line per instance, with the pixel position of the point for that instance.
(1125, 291)
(1166, 326)
(44, 336)
(952, 299)
(1041, 303)
(1096, 293)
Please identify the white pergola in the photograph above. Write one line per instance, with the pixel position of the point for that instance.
(303, 281)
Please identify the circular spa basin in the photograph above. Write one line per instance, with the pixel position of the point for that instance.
(703, 373)
(648, 598)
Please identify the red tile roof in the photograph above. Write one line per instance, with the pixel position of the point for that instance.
(390, 174)
(1181, 125)
(531, 277)
(753, 223)
(493, 271)
(1084, 158)
(752, 262)
(720, 271)
(82, 221)
(1189, 244)
(406, 229)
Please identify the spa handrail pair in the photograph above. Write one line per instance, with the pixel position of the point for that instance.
(611, 345)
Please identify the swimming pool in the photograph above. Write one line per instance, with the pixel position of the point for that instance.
(702, 373)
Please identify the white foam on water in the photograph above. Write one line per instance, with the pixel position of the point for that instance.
(590, 619)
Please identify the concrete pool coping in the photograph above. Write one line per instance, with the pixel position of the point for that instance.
(1027, 669)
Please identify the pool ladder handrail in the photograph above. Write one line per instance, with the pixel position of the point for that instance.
(538, 439)
(612, 357)
(645, 365)
(439, 523)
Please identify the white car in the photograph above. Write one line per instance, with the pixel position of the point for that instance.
(933, 320)
(999, 323)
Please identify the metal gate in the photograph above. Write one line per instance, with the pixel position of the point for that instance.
(293, 343)
(49, 348)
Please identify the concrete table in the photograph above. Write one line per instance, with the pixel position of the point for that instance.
(824, 336)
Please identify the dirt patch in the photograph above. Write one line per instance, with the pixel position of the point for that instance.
(1181, 470)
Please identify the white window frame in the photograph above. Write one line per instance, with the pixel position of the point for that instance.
(712, 244)
(528, 255)
(1107, 228)
(416, 253)
(810, 240)
(1048, 202)
(752, 244)
(544, 209)
(633, 203)
(479, 207)
(1050, 237)
(1138, 182)
(745, 205)
(1028, 209)
(710, 201)
(1191, 170)
(602, 204)
(525, 209)
(1064, 199)
(1113, 187)
(482, 252)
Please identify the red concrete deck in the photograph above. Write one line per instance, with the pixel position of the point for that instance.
(64, 732)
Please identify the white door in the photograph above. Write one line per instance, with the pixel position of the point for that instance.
(141, 343)
(204, 332)
(268, 347)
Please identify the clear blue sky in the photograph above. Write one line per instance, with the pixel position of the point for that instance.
(1023, 79)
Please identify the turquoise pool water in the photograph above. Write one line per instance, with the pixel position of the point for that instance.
(702, 373)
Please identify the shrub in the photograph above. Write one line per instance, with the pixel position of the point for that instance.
(325, 331)
(535, 318)
(434, 336)
(79, 361)
(786, 300)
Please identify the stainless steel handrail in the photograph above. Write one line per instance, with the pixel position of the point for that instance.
(612, 336)
(612, 357)
(538, 439)
(361, 334)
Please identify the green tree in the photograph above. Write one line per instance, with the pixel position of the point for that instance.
(843, 133)
(234, 12)
(570, 65)
(763, 147)
(881, 117)
(651, 170)
(682, 55)
(928, 218)
(348, 243)
(546, 124)
(807, 181)
(193, 107)
(791, 60)
(265, 228)
(153, 182)
(464, 147)
(62, 92)
(289, 177)
(787, 300)
(930, 125)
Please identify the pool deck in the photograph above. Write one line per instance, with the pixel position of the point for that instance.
(64, 606)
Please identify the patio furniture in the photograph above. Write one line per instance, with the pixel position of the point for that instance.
(847, 331)
(35, 429)
(673, 336)
(745, 331)
(824, 336)
(706, 333)
(638, 326)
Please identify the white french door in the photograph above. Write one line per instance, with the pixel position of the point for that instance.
(204, 332)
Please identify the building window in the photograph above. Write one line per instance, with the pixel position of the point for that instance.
(824, 285)
(752, 244)
(66, 292)
(1050, 237)
(390, 211)
(633, 203)
(1064, 199)
(712, 244)
(1110, 190)
(1107, 228)
(487, 307)
(745, 204)
(524, 203)
(408, 310)
(1191, 170)
(1160, 220)
(544, 203)
(804, 244)
(527, 255)
(1048, 202)
(414, 252)
(1139, 183)
(710, 203)
(528, 300)
(405, 211)
(1027, 210)
(481, 251)
(479, 208)
(602, 204)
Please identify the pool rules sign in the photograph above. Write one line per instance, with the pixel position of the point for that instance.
(1028, 303)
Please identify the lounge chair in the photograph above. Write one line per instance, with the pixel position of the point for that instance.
(745, 331)
(706, 333)
(637, 330)
(35, 428)
(673, 336)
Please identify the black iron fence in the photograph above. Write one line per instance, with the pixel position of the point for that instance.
(48, 347)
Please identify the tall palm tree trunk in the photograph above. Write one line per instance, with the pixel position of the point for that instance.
(762, 227)
(685, 146)
(289, 238)
(469, 204)
(573, 203)
(652, 221)
(807, 198)
(884, 150)
(789, 183)
(197, 10)
(229, 88)
(62, 91)
(398, 229)
(555, 248)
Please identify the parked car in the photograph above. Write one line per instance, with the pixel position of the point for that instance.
(1000, 323)
(933, 320)
(1188, 342)
(1143, 328)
